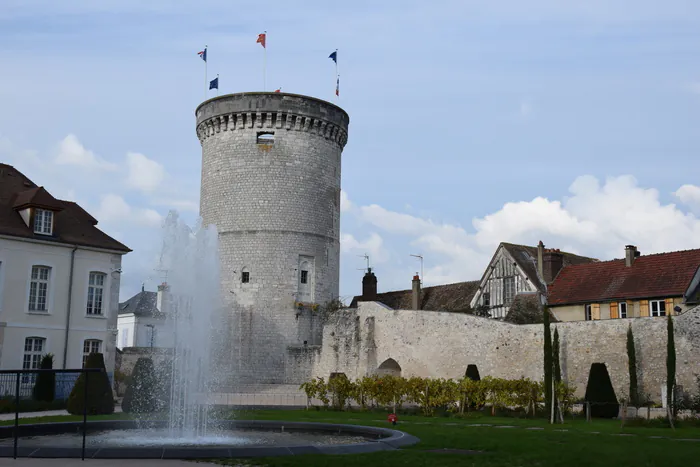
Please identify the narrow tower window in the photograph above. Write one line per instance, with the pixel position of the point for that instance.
(245, 277)
(266, 137)
(304, 277)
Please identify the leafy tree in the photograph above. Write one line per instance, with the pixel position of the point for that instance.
(632, 365)
(341, 389)
(45, 386)
(600, 393)
(547, 361)
(100, 400)
(142, 392)
(670, 366)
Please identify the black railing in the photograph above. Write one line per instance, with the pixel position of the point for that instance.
(24, 381)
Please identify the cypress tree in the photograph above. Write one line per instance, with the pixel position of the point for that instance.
(670, 365)
(632, 363)
(547, 362)
(45, 386)
(555, 357)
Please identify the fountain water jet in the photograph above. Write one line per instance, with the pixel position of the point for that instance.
(192, 305)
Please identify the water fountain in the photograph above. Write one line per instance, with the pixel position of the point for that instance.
(194, 319)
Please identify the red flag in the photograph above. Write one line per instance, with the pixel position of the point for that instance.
(261, 40)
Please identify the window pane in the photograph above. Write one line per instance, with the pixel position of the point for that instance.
(662, 305)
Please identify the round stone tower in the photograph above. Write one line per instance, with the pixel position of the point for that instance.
(271, 185)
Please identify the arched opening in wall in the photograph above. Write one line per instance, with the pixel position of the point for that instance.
(389, 367)
(600, 395)
(472, 373)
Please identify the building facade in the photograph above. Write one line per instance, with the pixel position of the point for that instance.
(142, 321)
(638, 286)
(59, 279)
(271, 166)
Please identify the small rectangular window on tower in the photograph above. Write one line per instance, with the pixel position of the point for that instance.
(266, 137)
(245, 277)
(304, 277)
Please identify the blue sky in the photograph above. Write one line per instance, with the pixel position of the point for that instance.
(472, 122)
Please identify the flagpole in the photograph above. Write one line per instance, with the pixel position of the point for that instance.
(337, 77)
(265, 64)
(206, 83)
(217, 85)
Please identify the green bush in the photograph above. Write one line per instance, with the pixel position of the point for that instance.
(100, 400)
(142, 392)
(600, 393)
(45, 386)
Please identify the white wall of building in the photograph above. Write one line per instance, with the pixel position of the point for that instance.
(17, 257)
(135, 331)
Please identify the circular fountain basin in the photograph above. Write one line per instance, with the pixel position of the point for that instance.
(126, 439)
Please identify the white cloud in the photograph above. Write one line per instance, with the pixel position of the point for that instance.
(690, 195)
(114, 210)
(144, 174)
(72, 152)
(373, 247)
(345, 204)
(596, 220)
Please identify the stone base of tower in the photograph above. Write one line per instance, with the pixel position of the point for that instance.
(256, 350)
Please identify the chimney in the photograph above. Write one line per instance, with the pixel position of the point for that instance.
(540, 253)
(552, 262)
(416, 292)
(162, 288)
(630, 254)
(369, 286)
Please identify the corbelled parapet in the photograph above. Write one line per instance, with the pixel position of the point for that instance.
(271, 110)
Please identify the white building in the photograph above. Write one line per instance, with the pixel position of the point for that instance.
(59, 279)
(141, 320)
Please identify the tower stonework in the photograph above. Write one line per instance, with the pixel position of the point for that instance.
(271, 184)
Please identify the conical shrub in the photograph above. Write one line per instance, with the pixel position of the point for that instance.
(100, 400)
(600, 393)
(45, 386)
(142, 392)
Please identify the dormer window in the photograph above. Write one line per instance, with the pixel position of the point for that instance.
(43, 222)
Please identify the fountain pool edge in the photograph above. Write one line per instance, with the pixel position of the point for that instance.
(387, 439)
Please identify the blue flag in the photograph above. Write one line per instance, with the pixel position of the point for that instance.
(214, 84)
(203, 54)
(334, 56)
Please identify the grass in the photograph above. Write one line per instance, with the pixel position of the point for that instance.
(582, 444)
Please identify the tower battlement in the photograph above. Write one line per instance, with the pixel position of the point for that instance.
(291, 112)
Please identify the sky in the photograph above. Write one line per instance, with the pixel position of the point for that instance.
(471, 122)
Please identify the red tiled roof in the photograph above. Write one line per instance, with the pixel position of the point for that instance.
(72, 224)
(449, 297)
(651, 276)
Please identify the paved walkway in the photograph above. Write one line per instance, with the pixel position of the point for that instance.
(46, 413)
(98, 463)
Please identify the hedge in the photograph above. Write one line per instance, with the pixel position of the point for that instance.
(100, 400)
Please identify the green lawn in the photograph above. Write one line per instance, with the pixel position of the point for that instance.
(582, 444)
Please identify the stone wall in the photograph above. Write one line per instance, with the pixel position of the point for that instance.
(271, 184)
(439, 344)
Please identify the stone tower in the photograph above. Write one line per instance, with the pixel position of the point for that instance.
(271, 185)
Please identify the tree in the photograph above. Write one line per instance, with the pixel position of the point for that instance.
(632, 365)
(45, 386)
(555, 357)
(141, 393)
(99, 395)
(600, 393)
(670, 368)
(547, 361)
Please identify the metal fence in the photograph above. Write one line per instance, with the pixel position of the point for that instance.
(24, 382)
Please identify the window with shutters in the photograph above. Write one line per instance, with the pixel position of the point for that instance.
(96, 293)
(39, 288)
(622, 307)
(657, 307)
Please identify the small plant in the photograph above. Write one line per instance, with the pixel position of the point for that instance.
(45, 386)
